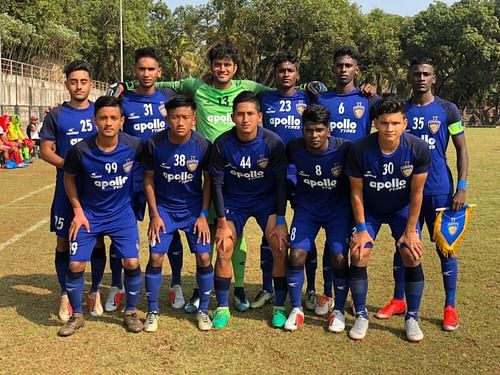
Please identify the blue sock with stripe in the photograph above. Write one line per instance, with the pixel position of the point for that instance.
(133, 283)
(153, 280)
(205, 280)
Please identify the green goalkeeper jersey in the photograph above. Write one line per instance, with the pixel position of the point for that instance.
(213, 106)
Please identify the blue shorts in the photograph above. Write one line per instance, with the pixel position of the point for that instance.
(397, 223)
(428, 211)
(175, 220)
(61, 214)
(306, 225)
(122, 229)
(240, 217)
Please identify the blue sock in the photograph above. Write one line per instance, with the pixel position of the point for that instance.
(449, 268)
(74, 288)
(280, 290)
(311, 266)
(358, 281)
(97, 266)
(62, 262)
(115, 263)
(175, 257)
(295, 280)
(133, 283)
(341, 286)
(221, 286)
(266, 265)
(414, 287)
(205, 280)
(398, 272)
(327, 272)
(153, 279)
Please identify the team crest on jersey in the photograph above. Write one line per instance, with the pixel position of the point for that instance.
(163, 110)
(336, 170)
(407, 169)
(127, 166)
(434, 124)
(300, 107)
(262, 162)
(192, 164)
(359, 110)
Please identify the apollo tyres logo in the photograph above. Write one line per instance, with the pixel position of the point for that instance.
(180, 161)
(346, 125)
(154, 126)
(117, 182)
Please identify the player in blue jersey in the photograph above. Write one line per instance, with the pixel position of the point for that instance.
(321, 201)
(144, 110)
(349, 108)
(387, 172)
(175, 162)
(63, 127)
(98, 182)
(248, 170)
(282, 113)
(434, 120)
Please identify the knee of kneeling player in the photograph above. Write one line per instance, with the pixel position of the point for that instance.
(202, 259)
(131, 263)
(339, 261)
(155, 260)
(297, 258)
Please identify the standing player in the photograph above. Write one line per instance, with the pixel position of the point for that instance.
(248, 170)
(387, 172)
(434, 119)
(349, 119)
(321, 200)
(282, 113)
(63, 127)
(144, 110)
(175, 161)
(102, 205)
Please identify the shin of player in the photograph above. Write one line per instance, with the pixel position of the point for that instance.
(387, 172)
(102, 205)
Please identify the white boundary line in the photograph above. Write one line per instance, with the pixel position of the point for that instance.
(18, 236)
(27, 195)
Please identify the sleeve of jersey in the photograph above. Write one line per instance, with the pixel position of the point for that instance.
(147, 160)
(279, 165)
(206, 151)
(186, 86)
(48, 131)
(455, 126)
(353, 163)
(254, 87)
(216, 169)
(72, 164)
(422, 158)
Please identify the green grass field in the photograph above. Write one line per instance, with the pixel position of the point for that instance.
(29, 301)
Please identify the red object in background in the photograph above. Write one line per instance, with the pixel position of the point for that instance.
(4, 122)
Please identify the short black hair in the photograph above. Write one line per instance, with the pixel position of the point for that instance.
(146, 52)
(421, 60)
(107, 101)
(180, 101)
(389, 103)
(286, 57)
(346, 51)
(78, 65)
(222, 50)
(317, 114)
(246, 97)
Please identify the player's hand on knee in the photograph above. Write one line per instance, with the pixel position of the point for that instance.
(202, 229)
(280, 234)
(412, 242)
(156, 225)
(458, 200)
(223, 237)
(358, 242)
(79, 220)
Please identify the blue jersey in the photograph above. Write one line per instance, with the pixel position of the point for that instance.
(66, 126)
(283, 114)
(320, 180)
(177, 170)
(145, 114)
(105, 183)
(434, 123)
(349, 113)
(387, 178)
(247, 171)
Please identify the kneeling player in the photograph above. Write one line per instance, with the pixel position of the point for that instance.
(248, 170)
(175, 160)
(102, 205)
(321, 200)
(387, 172)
